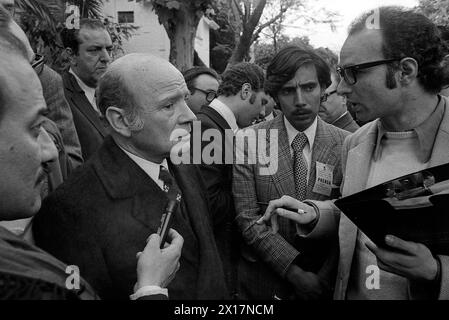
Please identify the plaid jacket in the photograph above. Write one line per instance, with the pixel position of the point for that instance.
(267, 256)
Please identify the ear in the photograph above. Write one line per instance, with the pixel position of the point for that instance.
(246, 91)
(408, 71)
(71, 56)
(118, 121)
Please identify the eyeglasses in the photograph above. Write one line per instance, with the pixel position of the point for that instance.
(349, 73)
(210, 94)
(327, 95)
(38, 63)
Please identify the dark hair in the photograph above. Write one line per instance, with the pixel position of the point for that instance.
(191, 74)
(70, 37)
(237, 75)
(410, 34)
(287, 61)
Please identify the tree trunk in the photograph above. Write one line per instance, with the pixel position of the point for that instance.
(182, 38)
(242, 49)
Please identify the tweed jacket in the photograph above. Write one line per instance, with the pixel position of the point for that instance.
(272, 254)
(102, 215)
(357, 152)
(89, 126)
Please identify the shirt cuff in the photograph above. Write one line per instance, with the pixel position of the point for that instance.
(147, 291)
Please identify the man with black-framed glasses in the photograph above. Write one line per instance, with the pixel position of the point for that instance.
(202, 83)
(392, 74)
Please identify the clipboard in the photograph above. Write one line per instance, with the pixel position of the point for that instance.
(414, 207)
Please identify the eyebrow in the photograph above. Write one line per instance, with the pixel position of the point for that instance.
(291, 85)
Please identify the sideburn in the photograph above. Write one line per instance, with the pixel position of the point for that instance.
(390, 79)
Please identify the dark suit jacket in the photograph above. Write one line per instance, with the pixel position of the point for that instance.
(218, 180)
(101, 217)
(267, 256)
(90, 128)
(347, 123)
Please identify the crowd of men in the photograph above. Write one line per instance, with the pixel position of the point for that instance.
(87, 167)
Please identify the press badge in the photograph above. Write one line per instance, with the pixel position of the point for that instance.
(324, 178)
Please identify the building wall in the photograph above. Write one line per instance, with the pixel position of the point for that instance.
(151, 36)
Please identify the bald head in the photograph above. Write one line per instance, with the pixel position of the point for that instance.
(137, 79)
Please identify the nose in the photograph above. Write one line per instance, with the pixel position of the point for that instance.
(343, 88)
(105, 57)
(299, 99)
(48, 149)
(186, 114)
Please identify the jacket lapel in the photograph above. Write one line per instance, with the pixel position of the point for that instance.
(124, 179)
(323, 152)
(79, 100)
(440, 151)
(358, 163)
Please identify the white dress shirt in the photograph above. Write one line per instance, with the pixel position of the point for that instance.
(310, 133)
(226, 113)
(88, 91)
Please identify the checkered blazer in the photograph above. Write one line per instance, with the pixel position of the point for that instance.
(272, 254)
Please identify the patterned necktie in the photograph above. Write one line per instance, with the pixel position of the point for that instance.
(170, 186)
(299, 165)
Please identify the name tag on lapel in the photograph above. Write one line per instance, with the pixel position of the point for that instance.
(324, 178)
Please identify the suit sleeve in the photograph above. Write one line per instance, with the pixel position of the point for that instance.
(271, 248)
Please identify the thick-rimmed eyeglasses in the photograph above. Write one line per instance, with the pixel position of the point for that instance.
(326, 95)
(210, 95)
(349, 74)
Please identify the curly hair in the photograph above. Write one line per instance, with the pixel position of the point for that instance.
(237, 75)
(410, 34)
(287, 61)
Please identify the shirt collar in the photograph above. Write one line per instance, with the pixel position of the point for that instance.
(310, 132)
(88, 91)
(226, 113)
(426, 133)
(150, 168)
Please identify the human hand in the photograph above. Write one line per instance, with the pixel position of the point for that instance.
(411, 260)
(307, 285)
(297, 211)
(158, 267)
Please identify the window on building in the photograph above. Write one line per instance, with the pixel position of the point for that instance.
(126, 17)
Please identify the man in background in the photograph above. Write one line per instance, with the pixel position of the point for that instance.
(203, 85)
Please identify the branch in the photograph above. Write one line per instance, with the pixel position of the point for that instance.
(266, 24)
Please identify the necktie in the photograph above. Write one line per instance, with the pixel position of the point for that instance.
(170, 186)
(299, 165)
